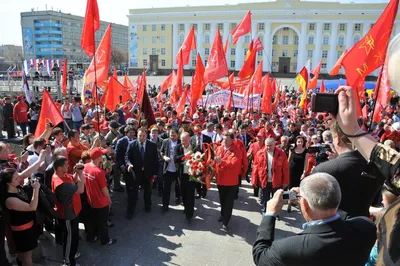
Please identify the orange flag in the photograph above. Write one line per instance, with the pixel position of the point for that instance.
(198, 84)
(336, 68)
(165, 85)
(313, 82)
(65, 74)
(369, 53)
(275, 103)
(90, 25)
(267, 97)
(226, 45)
(255, 82)
(177, 83)
(216, 65)
(128, 91)
(242, 28)
(182, 101)
(383, 94)
(48, 114)
(322, 87)
(248, 66)
(112, 96)
(187, 46)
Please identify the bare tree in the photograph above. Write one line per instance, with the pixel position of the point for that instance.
(118, 56)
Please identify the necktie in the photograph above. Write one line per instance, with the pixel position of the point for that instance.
(142, 151)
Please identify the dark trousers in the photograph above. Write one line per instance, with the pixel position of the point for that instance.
(132, 188)
(267, 193)
(10, 128)
(3, 256)
(32, 126)
(23, 128)
(70, 232)
(168, 178)
(160, 180)
(239, 185)
(69, 123)
(98, 223)
(188, 197)
(201, 189)
(226, 198)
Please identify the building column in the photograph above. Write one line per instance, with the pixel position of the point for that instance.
(349, 35)
(397, 28)
(253, 31)
(267, 53)
(366, 28)
(226, 36)
(318, 42)
(212, 33)
(239, 54)
(175, 40)
(200, 40)
(302, 55)
(332, 56)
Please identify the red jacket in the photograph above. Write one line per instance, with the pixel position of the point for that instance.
(280, 168)
(20, 113)
(229, 169)
(253, 149)
(245, 163)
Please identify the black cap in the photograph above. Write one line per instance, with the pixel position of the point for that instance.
(114, 124)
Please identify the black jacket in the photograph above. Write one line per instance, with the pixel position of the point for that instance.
(179, 154)
(150, 162)
(248, 140)
(120, 150)
(166, 150)
(345, 243)
(204, 139)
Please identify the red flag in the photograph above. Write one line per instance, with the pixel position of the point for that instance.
(228, 83)
(248, 66)
(216, 65)
(198, 84)
(65, 74)
(275, 103)
(115, 75)
(229, 102)
(267, 97)
(112, 96)
(177, 83)
(182, 101)
(369, 53)
(242, 28)
(147, 109)
(365, 111)
(258, 46)
(322, 87)
(142, 85)
(187, 46)
(226, 45)
(255, 82)
(383, 94)
(90, 25)
(312, 84)
(336, 68)
(48, 114)
(377, 113)
(128, 91)
(165, 85)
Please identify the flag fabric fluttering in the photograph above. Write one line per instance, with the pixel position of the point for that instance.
(27, 91)
(242, 28)
(198, 84)
(267, 96)
(177, 83)
(255, 82)
(128, 91)
(258, 46)
(312, 84)
(248, 67)
(164, 86)
(142, 88)
(302, 79)
(49, 113)
(112, 96)
(187, 46)
(381, 92)
(147, 109)
(216, 65)
(91, 24)
(336, 68)
(369, 53)
(65, 77)
(322, 87)
(180, 108)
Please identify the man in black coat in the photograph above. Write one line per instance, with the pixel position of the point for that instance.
(141, 160)
(197, 140)
(244, 136)
(8, 118)
(326, 239)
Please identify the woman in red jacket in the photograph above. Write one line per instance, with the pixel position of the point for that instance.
(228, 161)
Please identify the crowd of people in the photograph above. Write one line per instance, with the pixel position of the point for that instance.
(335, 172)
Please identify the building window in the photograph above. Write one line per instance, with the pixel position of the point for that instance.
(296, 40)
(162, 51)
(274, 40)
(310, 40)
(341, 41)
(285, 40)
(153, 51)
(206, 51)
(294, 67)
(245, 51)
(284, 52)
(295, 53)
(145, 62)
(323, 65)
(163, 39)
(357, 27)
(273, 52)
(339, 54)
(221, 26)
(233, 25)
(233, 51)
(311, 26)
(194, 52)
(205, 62)
(207, 26)
(285, 28)
(342, 27)
(233, 63)
(261, 26)
(206, 38)
(325, 40)
(153, 27)
(144, 28)
(260, 53)
(310, 53)
(144, 39)
(327, 26)
(182, 27)
(324, 54)
(153, 39)
(356, 39)
(193, 62)
(163, 62)
(144, 51)
(162, 27)
(181, 38)
(247, 39)
(195, 26)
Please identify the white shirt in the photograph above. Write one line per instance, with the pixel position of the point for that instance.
(270, 157)
(67, 114)
(209, 134)
(171, 164)
(217, 137)
(185, 167)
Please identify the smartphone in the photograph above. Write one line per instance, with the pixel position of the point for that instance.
(325, 102)
(289, 195)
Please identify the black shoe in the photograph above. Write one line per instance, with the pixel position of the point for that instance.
(119, 189)
(278, 218)
(225, 228)
(220, 219)
(204, 194)
(189, 220)
(198, 196)
(129, 215)
(112, 241)
(178, 201)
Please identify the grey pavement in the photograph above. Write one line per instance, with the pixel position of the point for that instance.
(158, 238)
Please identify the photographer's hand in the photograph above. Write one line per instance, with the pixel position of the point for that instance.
(275, 204)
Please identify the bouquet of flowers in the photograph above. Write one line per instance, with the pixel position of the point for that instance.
(198, 167)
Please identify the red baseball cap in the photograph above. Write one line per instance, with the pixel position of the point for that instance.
(97, 152)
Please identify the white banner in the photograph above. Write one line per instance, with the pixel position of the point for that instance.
(221, 97)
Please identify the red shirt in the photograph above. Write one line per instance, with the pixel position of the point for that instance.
(76, 198)
(95, 181)
(21, 112)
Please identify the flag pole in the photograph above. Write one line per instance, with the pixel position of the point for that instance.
(378, 86)
(95, 80)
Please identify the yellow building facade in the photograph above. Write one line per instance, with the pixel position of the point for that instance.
(292, 32)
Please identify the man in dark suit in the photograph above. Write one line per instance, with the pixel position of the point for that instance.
(170, 172)
(154, 137)
(141, 160)
(120, 151)
(244, 136)
(197, 140)
(326, 239)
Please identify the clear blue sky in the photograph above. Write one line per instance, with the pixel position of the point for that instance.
(110, 10)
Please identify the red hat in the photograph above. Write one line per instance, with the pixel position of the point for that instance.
(260, 134)
(20, 97)
(97, 152)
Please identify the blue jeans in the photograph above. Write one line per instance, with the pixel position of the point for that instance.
(267, 193)
(23, 128)
(77, 125)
